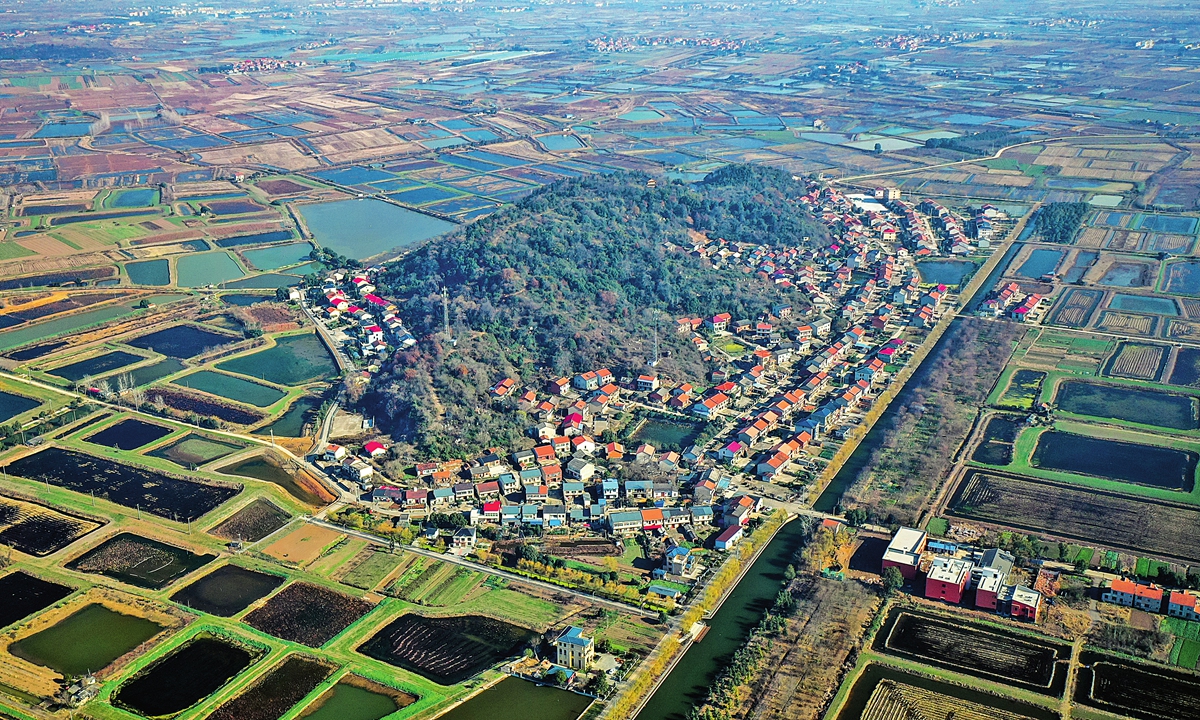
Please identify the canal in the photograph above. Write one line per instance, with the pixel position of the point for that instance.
(689, 681)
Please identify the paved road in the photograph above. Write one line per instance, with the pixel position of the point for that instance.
(456, 560)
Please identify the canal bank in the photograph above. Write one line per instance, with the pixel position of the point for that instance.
(856, 450)
(688, 681)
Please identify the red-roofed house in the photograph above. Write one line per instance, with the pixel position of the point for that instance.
(375, 449)
(1182, 605)
(1148, 597)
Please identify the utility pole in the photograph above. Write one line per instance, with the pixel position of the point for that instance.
(446, 312)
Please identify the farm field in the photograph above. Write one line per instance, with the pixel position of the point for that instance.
(1106, 518)
(1136, 690)
(973, 649)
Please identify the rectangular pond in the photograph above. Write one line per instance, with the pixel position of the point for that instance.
(149, 272)
(157, 371)
(39, 530)
(139, 561)
(308, 614)
(1040, 262)
(193, 450)
(183, 678)
(182, 341)
(12, 405)
(97, 365)
(253, 522)
(537, 702)
(277, 692)
(1143, 304)
(25, 594)
(129, 434)
(133, 487)
(1116, 460)
(85, 641)
(1183, 277)
(227, 591)
(363, 228)
(293, 360)
(945, 272)
(210, 268)
(1140, 405)
(273, 258)
(356, 698)
(62, 325)
(230, 387)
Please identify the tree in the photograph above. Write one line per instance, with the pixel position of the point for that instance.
(663, 617)
(878, 148)
(892, 580)
(602, 685)
(789, 573)
(856, 517)
(560, 677)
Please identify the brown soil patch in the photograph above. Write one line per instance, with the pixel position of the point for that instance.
(302, 545)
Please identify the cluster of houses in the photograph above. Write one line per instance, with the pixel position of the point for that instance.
(949, 572)
(371, 324)
(1009, 300)
(1151, 598)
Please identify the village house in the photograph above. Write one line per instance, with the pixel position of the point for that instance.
(573, 650)
(1143, 596)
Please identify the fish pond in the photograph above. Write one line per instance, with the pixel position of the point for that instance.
(129, 434)
(139, 561)
(85, 641)
(1116, 460)
(262, 468)
(1127, 275)
(667, 434)
(363, 228)
(1040, 262)
(996, 445)
(210, 268)
(157, 371)
(181, 679)
(273, 258)
(1186, 371)
(95, 365)
(193, 450)
(149, 272)
(294, 360)
(1144, 304)
(1183, 277)
(537, 702)
(230, 387)
(12, 405)
(133, 198)
(945, 272)
(22, 594)
(245, 299)
(446, 650)
(133, 487)
(227, 591)
(292, 423)
(1119, 402)
(182, 341)
(356, 698)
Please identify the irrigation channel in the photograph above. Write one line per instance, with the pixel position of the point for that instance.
(689, 681)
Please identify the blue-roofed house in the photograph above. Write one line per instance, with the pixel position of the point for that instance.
(574, 650)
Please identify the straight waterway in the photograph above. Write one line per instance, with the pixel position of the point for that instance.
(689, 681)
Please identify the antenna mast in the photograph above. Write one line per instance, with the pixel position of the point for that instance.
(446, 312)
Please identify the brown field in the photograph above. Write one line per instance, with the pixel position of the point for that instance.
(1125, 323)
(302, 545)
(1125, 240)
(280, 154)
(1117, 520)
(282, 187)
(1075, 307)
(1183, 330)
(1134, 360)
(1092, 237)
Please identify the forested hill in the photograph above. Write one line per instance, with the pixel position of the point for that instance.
(574, 277)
